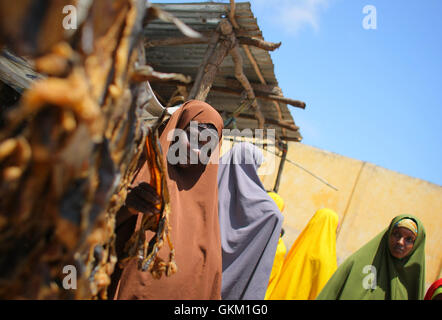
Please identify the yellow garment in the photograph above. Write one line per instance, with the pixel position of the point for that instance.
(278, 200)
(409, 224)
(311, 261)
(281, 250)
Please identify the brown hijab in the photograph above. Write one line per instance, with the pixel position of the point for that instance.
(194, 222)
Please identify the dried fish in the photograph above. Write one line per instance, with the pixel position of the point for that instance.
(138, 245)
(69, 148)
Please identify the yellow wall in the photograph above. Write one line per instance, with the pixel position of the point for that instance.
(368, 197)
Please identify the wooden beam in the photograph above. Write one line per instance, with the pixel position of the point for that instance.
(279, 123)
(259, 43)
(249, 41)
(254, 63)
(261, 78)
(262, 95)
(175, 42)
(284, 149)
(239, 70)
(252, 41)
(232, 14)
(216, 52)
(294, 103)
(214, 39)
(295, 139)
(239, 74)
(235, 84)
(265, 88)
(236, 90)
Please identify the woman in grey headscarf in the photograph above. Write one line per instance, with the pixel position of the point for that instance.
(250, 223)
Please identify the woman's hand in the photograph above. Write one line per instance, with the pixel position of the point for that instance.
(142, 198)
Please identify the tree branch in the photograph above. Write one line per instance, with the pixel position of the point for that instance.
(259, 43)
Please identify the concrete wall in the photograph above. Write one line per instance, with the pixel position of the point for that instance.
(367, 199)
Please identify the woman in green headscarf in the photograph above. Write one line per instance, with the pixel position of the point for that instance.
(390, 266)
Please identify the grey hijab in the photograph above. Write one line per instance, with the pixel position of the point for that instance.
(250, 223)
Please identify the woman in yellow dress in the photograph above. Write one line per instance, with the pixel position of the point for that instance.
(311, 261)
(281, 250)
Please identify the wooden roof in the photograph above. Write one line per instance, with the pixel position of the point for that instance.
(225, 94)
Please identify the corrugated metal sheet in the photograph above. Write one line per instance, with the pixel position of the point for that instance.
(186, 59)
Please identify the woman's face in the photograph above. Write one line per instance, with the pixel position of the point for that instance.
(202, 135)
(401, 242)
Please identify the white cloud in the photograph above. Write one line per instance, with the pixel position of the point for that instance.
(293, 15)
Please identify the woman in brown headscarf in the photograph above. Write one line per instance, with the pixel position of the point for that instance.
(193, 218)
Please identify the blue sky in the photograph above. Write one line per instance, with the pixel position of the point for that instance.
(373, 95)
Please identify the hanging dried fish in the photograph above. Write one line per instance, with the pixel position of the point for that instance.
(138, 245)
(69, 148)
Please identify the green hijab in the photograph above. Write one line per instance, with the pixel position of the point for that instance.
(395, 279)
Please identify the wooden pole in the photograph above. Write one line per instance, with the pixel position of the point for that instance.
(281, 167)
(241, 77)
(254, 63)
(216, 52)
(259, 43)
(252, 59)
(232, 14)
(279, 123)
(214, 39)
(294, 139)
